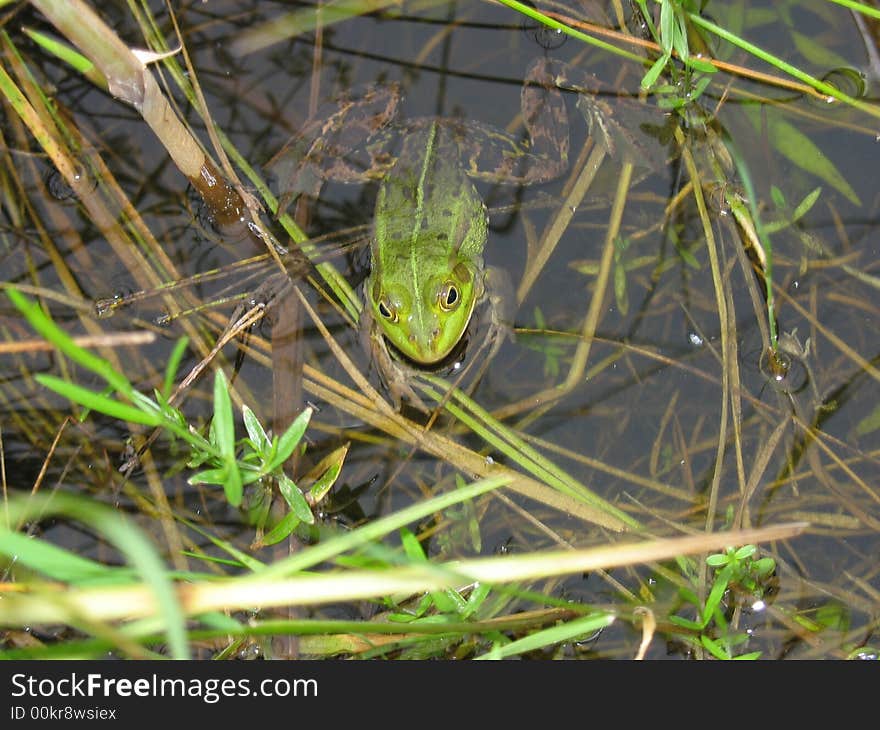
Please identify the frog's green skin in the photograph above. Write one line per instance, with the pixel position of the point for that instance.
(426, 254)
(430, 224)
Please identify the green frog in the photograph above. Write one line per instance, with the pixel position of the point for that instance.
(430, 227)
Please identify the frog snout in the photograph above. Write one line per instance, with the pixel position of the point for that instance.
(426, 345)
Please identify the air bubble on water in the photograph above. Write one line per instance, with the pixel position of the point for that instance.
(759, 605)
(249, 652)
(695, 339)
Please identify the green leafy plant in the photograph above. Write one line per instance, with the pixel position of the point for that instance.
(672, 37)
(734, 570)
(230, 463)
(549, 345)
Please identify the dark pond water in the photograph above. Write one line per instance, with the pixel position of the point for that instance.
(640, 424)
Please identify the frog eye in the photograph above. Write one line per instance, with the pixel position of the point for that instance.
(386, 311)
(449, 297)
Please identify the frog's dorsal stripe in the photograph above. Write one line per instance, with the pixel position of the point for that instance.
(419, 217)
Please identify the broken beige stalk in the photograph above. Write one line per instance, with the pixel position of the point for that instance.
(129, 80)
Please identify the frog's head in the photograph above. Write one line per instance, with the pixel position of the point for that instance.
(426, 323)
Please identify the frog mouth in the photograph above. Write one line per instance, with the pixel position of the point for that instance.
(450, 363)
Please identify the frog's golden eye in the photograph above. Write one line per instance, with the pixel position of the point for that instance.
(386, 311)
(449, 297)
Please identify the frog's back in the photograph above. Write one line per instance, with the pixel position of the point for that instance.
(428, 208)
(429, 233)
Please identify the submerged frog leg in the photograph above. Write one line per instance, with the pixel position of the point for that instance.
(621, 124)
(625, 127)
(344, 143)
(495, 155)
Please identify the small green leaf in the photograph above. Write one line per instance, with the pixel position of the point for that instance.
(667, 26)
(713, 600)
(325, 483)
(671, 103)
(249, 476)
(679, 38)
(714, 648)
(255, 431)
(764, 567)
(285, 526)
(752, 655)
(703, 66)
(224, 427)
(686, 623)
(411, 545)
(869, 423)
(323, 475)
(295, 499)
(699, 88)
(208, 476)
(223, 431)
(620, 293)
(145, 403)
(808, 202)
(478, 596)
(777, 197)
(173, 365)
(688, 257)
(290, 438)
(654, 72)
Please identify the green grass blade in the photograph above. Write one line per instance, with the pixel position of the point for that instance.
(44, 325)
(55, 562)
(536, 15)
(555, 635)
(128, 538)
(97, 401)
